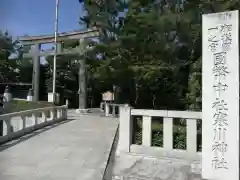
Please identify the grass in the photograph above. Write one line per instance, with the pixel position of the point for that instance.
(21, 105)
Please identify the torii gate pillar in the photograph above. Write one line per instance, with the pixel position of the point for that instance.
(36, 71)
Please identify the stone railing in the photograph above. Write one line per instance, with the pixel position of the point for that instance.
(111, 109)
(17, 124)
(126, 133)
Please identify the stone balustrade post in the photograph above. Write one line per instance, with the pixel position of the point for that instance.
(34, 118)
(59, 113)
(52, 114)
(125, 129)
(102, 106)
(57, 98)
(67, 102)
(113, 110)
(147, 131)
(64, 113)
(107, 109)
(44, 116)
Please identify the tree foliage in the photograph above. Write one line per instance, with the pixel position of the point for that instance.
(155, 55)
(150, 49)
(8, 68)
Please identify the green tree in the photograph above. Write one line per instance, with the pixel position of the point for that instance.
(8, 68)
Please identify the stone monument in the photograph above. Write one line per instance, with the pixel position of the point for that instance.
(220, 96)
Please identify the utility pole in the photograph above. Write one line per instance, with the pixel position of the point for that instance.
(55, 50)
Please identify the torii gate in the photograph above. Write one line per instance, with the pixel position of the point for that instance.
(37, 41)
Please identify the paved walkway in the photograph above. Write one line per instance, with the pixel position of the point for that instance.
(137, 167)
(77, 149)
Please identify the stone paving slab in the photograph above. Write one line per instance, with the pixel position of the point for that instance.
(77, 149)
(136, 167)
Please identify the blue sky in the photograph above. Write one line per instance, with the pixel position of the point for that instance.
(35, 17)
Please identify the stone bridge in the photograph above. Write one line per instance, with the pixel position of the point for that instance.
(55, 143)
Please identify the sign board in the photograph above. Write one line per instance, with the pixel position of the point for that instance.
(107, 96)
(220, 96)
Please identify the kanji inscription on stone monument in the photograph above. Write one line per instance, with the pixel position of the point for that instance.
(220, 96)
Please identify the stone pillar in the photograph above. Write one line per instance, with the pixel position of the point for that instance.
(36, 71)
(125, 130)
(82, 91)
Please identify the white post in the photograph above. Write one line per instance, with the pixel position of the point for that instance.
(147, 131)
(64, 113)
(101, 106)
(44, 116)
(67, 103)
(113, 110)
(125, 130)
(50, 97)
(52, 114)
(34, 119)
(23, 124)
(107, 109)
(168, 133)
(55, 50)
(59, 113)
(57, 100)
(192, 136)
